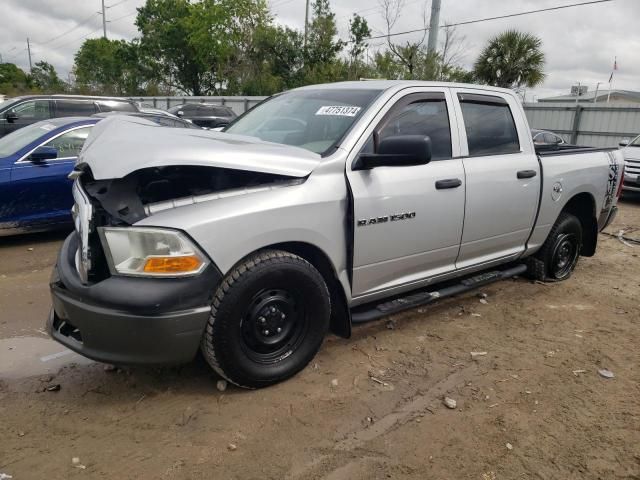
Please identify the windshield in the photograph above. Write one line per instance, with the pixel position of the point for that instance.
(15, 141)
(312, 119)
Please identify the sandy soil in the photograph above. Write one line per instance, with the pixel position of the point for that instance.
(367, 408)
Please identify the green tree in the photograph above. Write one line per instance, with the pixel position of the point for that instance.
(13, 80)
(274, 61)
(199, 47)
(322, 49)
(165, 28)
(45, 78)
(512, 59)
(359, 31)
(109, 67)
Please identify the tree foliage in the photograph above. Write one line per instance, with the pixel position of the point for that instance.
(45, 78)
(359, 31)
(109, 67)
(13, 80)
(512, 59)
(234, 47)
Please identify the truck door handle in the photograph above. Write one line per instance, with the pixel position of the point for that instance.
(448, 183)
(527, 173)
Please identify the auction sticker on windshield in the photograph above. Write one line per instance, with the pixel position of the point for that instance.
(339, 110)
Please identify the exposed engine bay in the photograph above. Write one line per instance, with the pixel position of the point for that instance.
(132, 198)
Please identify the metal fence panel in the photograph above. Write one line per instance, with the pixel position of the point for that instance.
(591, 124)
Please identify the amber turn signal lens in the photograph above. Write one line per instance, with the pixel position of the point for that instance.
(183, 264)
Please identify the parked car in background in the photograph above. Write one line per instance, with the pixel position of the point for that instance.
(160, 117)
(207, 115)
(22, 111)
(631, 153)
(35, 161)
(544, 137)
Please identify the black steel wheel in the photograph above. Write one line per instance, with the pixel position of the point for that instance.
(268, 319)
(559, 254)
(273, 326)
(565, 256)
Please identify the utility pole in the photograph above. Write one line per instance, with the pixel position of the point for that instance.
(434, 26)
(104, 21)
(595, 97)
(306, 23)
(29, 52)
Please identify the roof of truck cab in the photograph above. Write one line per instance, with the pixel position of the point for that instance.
(398, 84)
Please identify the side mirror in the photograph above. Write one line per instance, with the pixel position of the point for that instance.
(180, 113)
(397, 151)
(11, 116)
(43, 153)
(624, 142)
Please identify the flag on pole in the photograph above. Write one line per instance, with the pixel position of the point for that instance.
(615, 67)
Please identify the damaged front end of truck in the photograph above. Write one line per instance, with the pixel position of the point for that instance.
(141, 295)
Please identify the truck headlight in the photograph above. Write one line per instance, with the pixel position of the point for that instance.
(151, 252)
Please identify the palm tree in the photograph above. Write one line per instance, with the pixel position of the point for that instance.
(511, 60)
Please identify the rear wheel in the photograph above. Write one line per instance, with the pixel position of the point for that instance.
(559, 255)
(268, 319)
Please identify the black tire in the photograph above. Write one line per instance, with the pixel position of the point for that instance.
(268, 319)
(559, 254)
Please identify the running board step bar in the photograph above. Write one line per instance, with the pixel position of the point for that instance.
(376, 311)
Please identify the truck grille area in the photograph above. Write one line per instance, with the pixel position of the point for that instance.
(88, 215)
(66, 329)
(632, 166)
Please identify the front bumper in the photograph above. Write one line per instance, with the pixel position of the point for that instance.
(129, 320)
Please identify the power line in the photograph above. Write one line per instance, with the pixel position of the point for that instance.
(71, 29)
(79, 38)
(124, 16)
(499, 17)
(116, 4)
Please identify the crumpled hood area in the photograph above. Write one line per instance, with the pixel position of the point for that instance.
(123, 144)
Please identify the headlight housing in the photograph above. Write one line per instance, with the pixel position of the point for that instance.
(151, 252)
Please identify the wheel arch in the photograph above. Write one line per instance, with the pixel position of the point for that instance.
(340, 313)
(583, 207)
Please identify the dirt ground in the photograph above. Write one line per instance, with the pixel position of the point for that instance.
(370, 407)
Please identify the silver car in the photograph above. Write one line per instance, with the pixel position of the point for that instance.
(631, 153)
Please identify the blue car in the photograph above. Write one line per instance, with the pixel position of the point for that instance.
(35, 193)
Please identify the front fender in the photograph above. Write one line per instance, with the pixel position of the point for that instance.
(228, 229)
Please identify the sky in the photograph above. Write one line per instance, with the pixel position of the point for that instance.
(579, 43)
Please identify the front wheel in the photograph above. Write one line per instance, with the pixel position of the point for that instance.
(268, 319)
(559, 254)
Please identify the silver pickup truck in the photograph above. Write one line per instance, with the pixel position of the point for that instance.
(321, 207)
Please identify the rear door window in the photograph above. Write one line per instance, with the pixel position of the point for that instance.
(75, 108)
(489, 123)
(70, 143)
